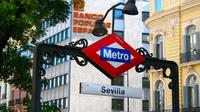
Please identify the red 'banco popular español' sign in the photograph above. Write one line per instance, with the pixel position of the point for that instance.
(112, 56)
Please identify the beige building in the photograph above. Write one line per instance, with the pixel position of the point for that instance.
(174, 35)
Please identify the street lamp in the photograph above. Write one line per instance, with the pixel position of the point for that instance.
(129, 8)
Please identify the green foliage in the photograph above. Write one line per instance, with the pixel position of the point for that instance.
(44, 107)
(16, 68)
(21, 22)
(3, 108)
(23, 18)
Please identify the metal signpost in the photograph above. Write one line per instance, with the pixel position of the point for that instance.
(110, 56)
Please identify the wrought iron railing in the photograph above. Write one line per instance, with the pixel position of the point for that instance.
(15, 102)
(190, 56)
(192, 109)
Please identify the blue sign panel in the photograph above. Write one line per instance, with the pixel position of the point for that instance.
(115, 54)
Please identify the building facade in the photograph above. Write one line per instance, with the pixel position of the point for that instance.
(66, 78)
(11, 97)
(174, 35)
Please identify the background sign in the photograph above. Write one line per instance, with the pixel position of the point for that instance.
(108, 90)
(112, 56)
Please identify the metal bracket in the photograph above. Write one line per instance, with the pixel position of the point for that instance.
(44, 54)
(162, 64)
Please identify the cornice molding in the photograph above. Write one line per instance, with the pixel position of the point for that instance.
(190, 63)
(183, 7)
(160, 15)
(190, 4)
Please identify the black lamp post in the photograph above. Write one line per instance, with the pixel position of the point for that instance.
(44, 54)
(130, 9)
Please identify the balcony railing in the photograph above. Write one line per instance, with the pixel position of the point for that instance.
(190, 56)
(15, 102)
(192, 109)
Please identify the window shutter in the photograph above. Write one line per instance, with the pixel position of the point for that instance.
(154, 51)
(198, 40)
(186, 43)
(158, 51)
(187, 96)
(196, 95)
(161, 50)
(156, 101)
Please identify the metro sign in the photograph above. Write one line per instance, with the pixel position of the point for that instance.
(112, 56)
(115, 54)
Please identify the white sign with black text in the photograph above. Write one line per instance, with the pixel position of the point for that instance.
(108, 90)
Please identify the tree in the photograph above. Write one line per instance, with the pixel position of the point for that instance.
(20, 27)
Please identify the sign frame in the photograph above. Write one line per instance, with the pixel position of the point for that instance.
(105, 67)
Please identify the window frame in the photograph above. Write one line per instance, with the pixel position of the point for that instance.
(121, 16)
(158, 8)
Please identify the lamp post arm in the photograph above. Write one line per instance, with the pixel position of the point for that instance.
(44, 54)
(111, 9)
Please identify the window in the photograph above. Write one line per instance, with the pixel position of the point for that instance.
(158, 47)
(120, 33)
(63, 59)
(145, 38)
(65, 33)
(60, 35)
(145, 105)
(58, 60)
(159, 96)
(5, 90)
(50, 83)
(67, 57)
(118, 104)
(55, 61)
(65, 78)
(64, 102)
(48, 41)
(119, 81)
(145, 15)
(145, 82)
(191, 39)
(46, 24)
(118, 14)
(191, 44)
(0, 92)
(60, 80)
(60, 103)
(56, 82)
(191, 92)
(158, 5)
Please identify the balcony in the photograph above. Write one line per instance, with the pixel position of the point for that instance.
(192, 109)
(190, 56)
(15, 102)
